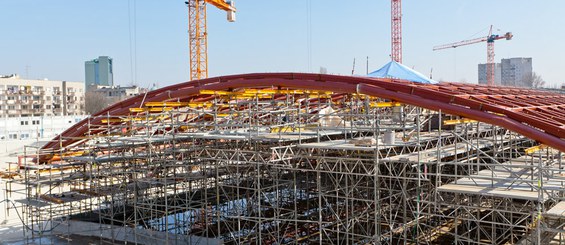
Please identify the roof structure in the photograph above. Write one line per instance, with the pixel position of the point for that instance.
(538, 115)
(396, 70)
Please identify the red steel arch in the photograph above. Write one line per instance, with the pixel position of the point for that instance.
(538, 115)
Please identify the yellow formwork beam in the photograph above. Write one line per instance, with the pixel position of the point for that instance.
(213, 92)
(323, 96)
(227, 114)
(273, 91)
(458, 121)
(112, 120)
(151, 109)
(166, 104)
(132, 119)
(253, 92)
(385, 104)
(250, 96)
(533, 149)
(179, 104)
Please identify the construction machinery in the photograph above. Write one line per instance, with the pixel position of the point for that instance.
(198, 35)
(490, 49)
(396, 30)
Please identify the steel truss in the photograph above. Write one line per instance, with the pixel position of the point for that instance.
(295, 168)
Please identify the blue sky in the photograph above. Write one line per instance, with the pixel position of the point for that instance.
(53, 38)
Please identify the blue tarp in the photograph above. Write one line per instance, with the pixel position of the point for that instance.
(399, 71)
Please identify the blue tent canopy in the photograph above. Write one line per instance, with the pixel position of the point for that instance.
(399, 71)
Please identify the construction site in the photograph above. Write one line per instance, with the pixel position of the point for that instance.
(303, 158)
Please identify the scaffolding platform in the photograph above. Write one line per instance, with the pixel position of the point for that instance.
(557, 211)
(511, 179)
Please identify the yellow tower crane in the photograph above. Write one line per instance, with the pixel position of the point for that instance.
(198, 36)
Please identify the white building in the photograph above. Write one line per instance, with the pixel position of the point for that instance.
(116, 93)
(515, 72)
(21, 128)
(27, 97)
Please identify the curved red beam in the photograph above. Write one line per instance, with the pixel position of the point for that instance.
(501, 106)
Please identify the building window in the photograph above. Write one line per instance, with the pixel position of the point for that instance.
(48, 106)
(24, 122)
(13, 136)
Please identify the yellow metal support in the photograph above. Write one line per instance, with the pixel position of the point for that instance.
(458, 121)
(227, 114)
(385, 104)
(166, 104)
(535, 149)
(112, 120)
(131, 119)
(151, 109)
(179, 104)
(254, 92)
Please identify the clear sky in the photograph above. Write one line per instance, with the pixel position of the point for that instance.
(52, 38)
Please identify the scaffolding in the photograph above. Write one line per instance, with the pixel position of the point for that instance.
(281, 166)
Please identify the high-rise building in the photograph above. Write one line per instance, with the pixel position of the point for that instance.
(483, 74)
(515, 72)
(99, 71)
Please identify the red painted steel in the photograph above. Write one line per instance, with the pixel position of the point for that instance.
(396, 30)
(535, 114)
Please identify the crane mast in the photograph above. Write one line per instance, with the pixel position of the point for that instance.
(198, 34)
(490, 58)
(490, 50)
(396, 30)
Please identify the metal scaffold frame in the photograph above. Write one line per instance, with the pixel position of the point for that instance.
(275, 165)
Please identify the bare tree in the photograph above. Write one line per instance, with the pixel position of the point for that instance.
(94, 102)
(537, 81)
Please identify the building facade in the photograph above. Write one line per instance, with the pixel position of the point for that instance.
(32, 98)
(116, 93)
(36, 127)
(515, 72)
(483, 74)
(99, 71)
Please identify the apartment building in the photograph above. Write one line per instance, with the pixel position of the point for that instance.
(41, 127)
(483, 74)
(516, 72)
(31, 98)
